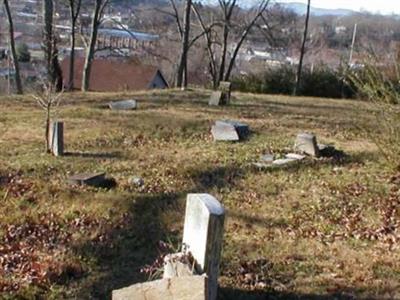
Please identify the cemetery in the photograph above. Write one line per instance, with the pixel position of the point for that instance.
(169, 196)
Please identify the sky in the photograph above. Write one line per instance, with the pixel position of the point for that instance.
(374, 6)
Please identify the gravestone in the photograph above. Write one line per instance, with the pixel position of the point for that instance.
(225, 87)
(123, 105)
(92, 179)
(227, 130)
(176, 288)
(56, 139)
(202, 236)
(215, 98)
(307, 143)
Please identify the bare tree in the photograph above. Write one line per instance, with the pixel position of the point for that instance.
(12, 46)
(98, 11)
(223, 71)
(74, 9)
(302, 51)
(48, 98)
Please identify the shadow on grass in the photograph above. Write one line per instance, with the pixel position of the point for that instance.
(93, 155)
(131, 247)
(237, 294)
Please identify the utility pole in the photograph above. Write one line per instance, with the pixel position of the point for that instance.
(352, 44)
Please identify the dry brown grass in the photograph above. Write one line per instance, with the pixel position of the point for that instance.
(308, 231)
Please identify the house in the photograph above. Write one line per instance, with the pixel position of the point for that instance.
(115, 75)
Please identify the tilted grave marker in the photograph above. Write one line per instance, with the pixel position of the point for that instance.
(307, 143)
(226, 130)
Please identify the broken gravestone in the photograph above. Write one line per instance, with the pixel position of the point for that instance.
(56, 138)
(307, 143)
(176, 288)
(123, 105)
(268, 161)
(222, 96)
(229, 131)
(92, 179)
(201, 253)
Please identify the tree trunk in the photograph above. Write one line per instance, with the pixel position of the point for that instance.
(72, 60)
(13, 51)
(182, 67)
(92, 46)
(303, 47)
(48, 36)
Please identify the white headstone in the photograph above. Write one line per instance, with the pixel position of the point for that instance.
(202, 236)
(57, 138)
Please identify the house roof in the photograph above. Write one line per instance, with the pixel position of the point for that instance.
(112, 75)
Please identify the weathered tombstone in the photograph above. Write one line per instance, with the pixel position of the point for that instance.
(267, 158)
(215, 98)
(229, 131)
(56, 138)
(123, 105)
(307, 143)
(295, 156)
(202, 236)
(176, 288)
(226, 88)
(93, 179)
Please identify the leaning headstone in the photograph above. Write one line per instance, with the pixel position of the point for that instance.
(226, 88)
(224, 132)
(227, 130)
(307, 143)
(215, 98)
(92, 179)
(123, 105)
(56, 139)
(176, 288)
(202, 236)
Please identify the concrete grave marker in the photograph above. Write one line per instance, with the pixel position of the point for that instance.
(176, 288)
(202, 236)
(215, 98)
(56, 138)
(123, 105)
(227, 130)
(93, 179)
(307, 143)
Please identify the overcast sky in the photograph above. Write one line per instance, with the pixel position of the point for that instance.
(382, 6)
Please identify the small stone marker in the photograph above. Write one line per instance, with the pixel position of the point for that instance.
(93, 179)
(123, 105)
(267, 158)
(56, 139)
(215, 98)
(226, 88)
(202, 236)
(227, 130)
(176, 288)
(307, 143)
(295, 156)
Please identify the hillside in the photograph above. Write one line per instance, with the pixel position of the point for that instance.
(309, 231)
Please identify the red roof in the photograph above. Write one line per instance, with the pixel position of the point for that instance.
(112, 75)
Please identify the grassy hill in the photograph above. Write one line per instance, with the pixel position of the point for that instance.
(323, 229)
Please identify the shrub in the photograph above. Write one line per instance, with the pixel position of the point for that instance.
(320, 82)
